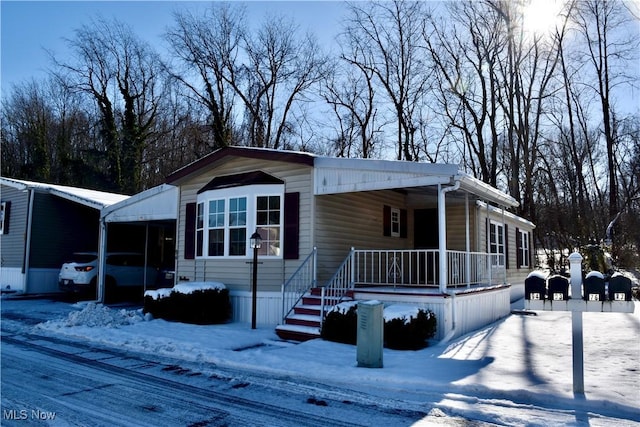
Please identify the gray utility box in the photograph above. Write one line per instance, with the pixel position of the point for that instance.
(370, 334)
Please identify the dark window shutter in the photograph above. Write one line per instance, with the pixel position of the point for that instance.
(403, 223)
(190, 231)
(518, 248)
(5, 225)
(291, 238)
(506, 246)
(386, 220)
(487, 238)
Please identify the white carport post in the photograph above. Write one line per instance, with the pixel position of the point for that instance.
(102, 256)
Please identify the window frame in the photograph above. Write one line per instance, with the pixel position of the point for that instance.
(395, 222)
(495, 246)
(250, 193)
(524, 249)
(4, 217)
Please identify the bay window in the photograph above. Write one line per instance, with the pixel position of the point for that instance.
(233, 214)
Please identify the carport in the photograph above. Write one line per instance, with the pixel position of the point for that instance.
(145, 222)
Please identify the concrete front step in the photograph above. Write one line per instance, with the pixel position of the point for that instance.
(312, 310)
(297, 332)
(303, 320)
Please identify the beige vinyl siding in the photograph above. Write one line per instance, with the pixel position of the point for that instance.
(515, 275)
(354, 220)
(237, 273)
(12, 244)
(456, 229)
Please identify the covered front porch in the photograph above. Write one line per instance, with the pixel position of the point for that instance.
(418, 234)
(474, 293)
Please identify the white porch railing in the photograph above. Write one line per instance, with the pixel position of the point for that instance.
(301, 281)
(421, 268)
(416, 268)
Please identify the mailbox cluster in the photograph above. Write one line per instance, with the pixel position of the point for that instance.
(538, 286)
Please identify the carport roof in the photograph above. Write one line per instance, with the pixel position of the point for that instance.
(155, 204)
(91, 198)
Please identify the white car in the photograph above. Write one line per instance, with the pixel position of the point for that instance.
(123, 269)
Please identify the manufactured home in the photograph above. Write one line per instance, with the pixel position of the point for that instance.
(337, 228)
(41, 226)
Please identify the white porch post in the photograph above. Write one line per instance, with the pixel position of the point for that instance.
(442, 234)
(467, 268)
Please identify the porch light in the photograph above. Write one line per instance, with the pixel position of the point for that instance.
(255, 241)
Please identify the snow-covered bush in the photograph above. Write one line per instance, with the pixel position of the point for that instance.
(200, 303)
(406, 327)
(340, 324)
(409, 331)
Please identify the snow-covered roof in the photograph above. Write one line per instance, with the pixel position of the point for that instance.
(92, 198)
(155, 204)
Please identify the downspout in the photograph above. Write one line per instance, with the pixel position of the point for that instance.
(442, 253)
(27, 248)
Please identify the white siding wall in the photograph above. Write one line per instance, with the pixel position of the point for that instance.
(472, 310)
(268, 307)
(236, 274)
(11, 278)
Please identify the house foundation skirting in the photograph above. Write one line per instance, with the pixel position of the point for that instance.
(11, 279)
(268, 307)
(456, 315)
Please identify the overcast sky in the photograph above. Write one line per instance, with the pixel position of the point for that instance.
(30, 28)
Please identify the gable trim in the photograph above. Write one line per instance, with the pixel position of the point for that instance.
(247, 152)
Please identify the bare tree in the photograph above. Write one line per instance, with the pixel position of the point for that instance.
(122, 74)
(387, 37)
(351, 96)
(278, 69)
(206, 47)
(46, 135)
(610, 49)
(465, 48)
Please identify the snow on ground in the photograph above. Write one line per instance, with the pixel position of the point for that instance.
(517, 371)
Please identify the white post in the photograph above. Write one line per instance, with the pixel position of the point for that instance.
(442, 240)
(467, 270)
(575, 269)
(102, 260)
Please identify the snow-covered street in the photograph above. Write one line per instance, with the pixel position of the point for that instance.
(517, 371)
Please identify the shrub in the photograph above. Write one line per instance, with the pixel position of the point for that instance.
(340, 325)
(202, 307)
(412, 333)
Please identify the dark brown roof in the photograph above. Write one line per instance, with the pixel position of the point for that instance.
(240, 179)
(254, 153)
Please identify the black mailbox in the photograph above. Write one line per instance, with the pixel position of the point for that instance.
(619, 288)
(535, 287)
(594, 287)
(558, 288)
